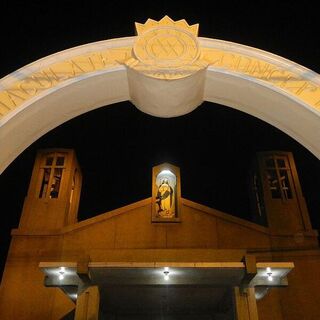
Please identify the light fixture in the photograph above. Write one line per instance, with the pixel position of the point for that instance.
(269, 273)
(62, 270)
(166, 273)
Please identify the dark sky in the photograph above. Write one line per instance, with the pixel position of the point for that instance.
(118, 145)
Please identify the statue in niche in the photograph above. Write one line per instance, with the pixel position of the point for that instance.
(166, 193)
(165, 200)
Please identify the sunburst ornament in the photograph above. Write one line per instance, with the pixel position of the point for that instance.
(166, 21)
(166, 49)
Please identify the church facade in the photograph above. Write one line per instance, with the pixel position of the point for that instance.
(164, 257)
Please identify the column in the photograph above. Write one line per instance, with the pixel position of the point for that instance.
(245, 303)
(87, 307)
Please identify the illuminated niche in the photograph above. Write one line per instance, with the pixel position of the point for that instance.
(166, 193)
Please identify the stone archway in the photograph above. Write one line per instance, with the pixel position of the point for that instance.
(166, 71)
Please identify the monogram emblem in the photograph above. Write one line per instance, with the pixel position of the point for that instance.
(166, 49)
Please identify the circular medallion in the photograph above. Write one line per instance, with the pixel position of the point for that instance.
(166, 47)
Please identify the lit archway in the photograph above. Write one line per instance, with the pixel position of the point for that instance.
(166, 71)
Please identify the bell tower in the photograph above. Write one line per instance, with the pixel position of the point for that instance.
(278, 200)
(54, 192)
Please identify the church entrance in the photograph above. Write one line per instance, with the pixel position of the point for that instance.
(158, 290)
(199, 302)
(166, 293)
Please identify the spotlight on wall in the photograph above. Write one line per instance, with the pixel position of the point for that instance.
(269, 273)
(166, 273)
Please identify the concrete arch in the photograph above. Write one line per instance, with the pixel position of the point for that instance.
(50, 91)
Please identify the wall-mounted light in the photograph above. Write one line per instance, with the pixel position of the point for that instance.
(166, 273)
(62, 270)
(269, 273)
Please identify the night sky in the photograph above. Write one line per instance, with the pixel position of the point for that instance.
(117, 146)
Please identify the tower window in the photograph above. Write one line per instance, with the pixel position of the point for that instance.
(273, 183)
(60, 161)
(52, 170)
(278, 174)
(45, 182)
(49, 161)
(73, 185)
